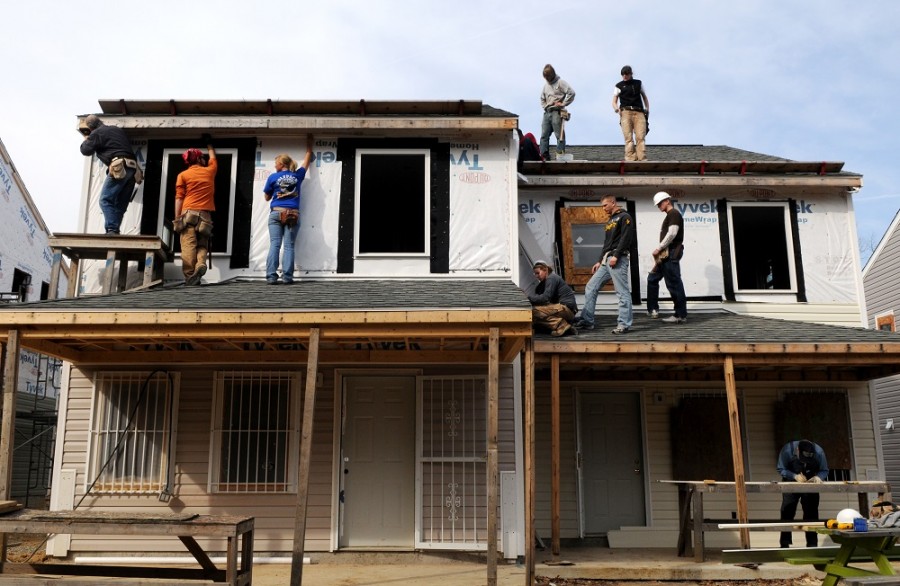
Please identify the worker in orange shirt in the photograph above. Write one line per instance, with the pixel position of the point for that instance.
(194, 201)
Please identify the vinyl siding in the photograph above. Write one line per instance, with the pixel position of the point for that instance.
(760, 458)
(274, 513)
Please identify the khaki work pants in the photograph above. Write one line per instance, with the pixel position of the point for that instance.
(555, 318)
(194, 247)
(634, 129)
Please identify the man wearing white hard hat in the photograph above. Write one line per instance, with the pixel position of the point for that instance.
(667, 262)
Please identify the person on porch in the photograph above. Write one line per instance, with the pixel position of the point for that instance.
(801, 461)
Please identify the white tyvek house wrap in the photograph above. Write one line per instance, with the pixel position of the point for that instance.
(824, 228)
(480, 202)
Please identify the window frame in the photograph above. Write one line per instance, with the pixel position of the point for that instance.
(576, 214)
(426, 198)
(885, 319)
(162, 229)
(169, 434)
(790, 251)
(215, 484)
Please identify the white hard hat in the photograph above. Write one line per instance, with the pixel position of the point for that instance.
(847, 516)
(660, 197)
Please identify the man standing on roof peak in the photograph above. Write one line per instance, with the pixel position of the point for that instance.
(555, 96)
(631, 104)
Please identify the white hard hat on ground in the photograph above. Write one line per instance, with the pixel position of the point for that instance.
(660, 197)
(847, 516)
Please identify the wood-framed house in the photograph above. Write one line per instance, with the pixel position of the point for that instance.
(773, 347)
(398, 347)
(427, 350)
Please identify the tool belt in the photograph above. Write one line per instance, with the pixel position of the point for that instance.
(201, 221)
(117, 169)
(288, 216)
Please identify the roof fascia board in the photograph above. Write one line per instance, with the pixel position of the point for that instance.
(662, 181)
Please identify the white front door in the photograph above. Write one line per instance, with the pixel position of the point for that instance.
(378, 462)
(612, 470)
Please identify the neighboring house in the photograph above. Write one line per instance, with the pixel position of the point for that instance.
(409, 325)
(765, 238)
(25, 261)
(880, 277)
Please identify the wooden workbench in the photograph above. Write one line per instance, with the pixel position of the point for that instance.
(690, 502)
(237, 530)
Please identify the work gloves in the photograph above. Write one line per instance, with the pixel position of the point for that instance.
(800, 477)
(816, 480)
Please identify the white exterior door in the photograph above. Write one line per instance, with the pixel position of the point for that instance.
(378, 462)
(611, 456)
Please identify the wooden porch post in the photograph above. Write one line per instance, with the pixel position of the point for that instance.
(306, 438)
(529, 462)
(8, 423)
(493, 473)
(554, 454)
(737, 451)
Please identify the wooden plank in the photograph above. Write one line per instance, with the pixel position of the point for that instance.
(8, 423)
(306, 439)
(737, 451)
(529, 463)
(554, 456)
(493, 469)
(109, 273)
(54, 275)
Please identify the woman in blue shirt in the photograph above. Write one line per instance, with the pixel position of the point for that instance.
(282, 191)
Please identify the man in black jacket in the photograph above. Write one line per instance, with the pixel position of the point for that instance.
(553, 302)
(613, 264)
(112, 147)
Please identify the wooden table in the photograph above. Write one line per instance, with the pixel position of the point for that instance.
(690, 502)
(237, 530)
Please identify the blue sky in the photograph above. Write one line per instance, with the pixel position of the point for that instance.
(805, 80)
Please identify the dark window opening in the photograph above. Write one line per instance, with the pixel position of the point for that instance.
(761, 252)
(21, 283)
(45, 290)
(392, 199)
(221, 228)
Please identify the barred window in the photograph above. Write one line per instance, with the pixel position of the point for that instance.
(132, 432)
(255, 432)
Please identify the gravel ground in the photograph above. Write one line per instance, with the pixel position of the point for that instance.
(19, 546)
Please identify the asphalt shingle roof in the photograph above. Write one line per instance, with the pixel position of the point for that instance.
(310, 295)
(670, 152)
(726, 327)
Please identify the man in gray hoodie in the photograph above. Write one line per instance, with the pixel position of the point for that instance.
(553, 302)
(555, 96)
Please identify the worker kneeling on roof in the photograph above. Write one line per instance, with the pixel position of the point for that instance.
(801, 461)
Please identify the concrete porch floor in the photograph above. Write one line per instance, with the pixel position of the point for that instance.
(352, 569)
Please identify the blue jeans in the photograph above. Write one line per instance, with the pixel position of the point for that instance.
(670, 270)
(278, 234)
(114, 199)
(551, 122)
(619, 276)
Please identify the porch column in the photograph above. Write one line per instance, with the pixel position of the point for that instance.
(8, 423)
(737, 451)
(493, 472)
(306, 438)
(529, 462)
(554, 454)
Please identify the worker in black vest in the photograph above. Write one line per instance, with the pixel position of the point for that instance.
(801, 461)
(631, 104)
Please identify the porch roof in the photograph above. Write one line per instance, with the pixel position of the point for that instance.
(246, 320)
(763, 349)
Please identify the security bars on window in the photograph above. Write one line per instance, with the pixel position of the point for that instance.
(254, 432)
(130, 432)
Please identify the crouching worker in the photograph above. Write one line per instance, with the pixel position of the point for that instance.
(195, 192)
(553, 302)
